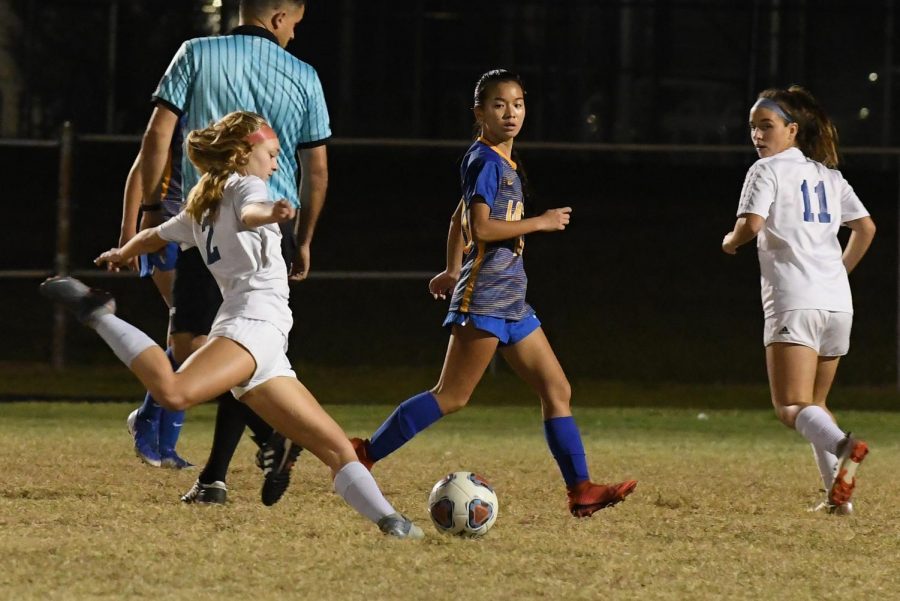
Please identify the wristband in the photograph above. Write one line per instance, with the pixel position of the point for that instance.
(154, 207)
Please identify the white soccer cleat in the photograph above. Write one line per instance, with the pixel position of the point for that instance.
(826, 507)
(399, 526)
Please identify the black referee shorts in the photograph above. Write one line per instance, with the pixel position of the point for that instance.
(195, 295)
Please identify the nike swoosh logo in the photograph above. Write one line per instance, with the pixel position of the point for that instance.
(177, 425)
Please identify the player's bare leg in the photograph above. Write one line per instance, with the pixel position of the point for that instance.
(800, 381)
(215, 368)
(469, 352)
(535, 362)
(164, 280)
(293, 411)
(792, 376)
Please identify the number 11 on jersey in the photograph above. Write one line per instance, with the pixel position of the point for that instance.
(824, 216)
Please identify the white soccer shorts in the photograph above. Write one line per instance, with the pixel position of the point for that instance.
(264, 341)
(826, 332)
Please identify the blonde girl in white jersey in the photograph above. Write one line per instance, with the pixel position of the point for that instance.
(794, 201)
(231, 219)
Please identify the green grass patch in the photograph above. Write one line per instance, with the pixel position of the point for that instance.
(719, 513)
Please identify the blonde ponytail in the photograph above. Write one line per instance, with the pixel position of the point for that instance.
(218, 151)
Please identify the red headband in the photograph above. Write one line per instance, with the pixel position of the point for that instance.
(261, 135)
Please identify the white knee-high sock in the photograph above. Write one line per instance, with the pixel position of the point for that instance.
(357, 486)
(827, 463)
(125, 340)
(816, 426)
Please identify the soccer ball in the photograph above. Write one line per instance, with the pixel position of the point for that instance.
(464, 504)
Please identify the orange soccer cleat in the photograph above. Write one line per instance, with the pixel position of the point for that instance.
(362, 452)
(586, 497)
(850, 457)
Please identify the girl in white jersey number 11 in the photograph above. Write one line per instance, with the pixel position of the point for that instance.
(794, 201)
(230, 218)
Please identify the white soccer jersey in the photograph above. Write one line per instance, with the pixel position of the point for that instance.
(804, 204)
(245, 262)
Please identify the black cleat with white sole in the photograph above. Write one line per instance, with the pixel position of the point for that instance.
(276, 458)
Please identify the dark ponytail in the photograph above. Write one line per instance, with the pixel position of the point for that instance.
(485, 82)
(817, 136)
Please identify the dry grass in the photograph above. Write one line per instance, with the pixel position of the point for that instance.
(720, 513)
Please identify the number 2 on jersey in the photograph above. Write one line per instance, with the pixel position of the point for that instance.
(824, 215)
(212, 252)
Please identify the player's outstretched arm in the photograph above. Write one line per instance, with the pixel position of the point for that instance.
(145, 242)
(745, 230)
(486, 229)
(861, 236)
(263, 213)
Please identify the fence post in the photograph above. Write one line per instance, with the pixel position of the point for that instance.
(61, 262)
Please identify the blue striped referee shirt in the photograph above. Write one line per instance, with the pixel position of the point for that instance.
(248, 71)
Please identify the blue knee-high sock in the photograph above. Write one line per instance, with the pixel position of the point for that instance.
(146, 426)
(170, 422)
(408, 419)
(564, 441)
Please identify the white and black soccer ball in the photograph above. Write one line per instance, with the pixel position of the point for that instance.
(464, 504)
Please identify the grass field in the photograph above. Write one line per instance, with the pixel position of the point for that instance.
(720, 513)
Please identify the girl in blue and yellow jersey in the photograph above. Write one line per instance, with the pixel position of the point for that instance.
(488, 308)
(156, 431)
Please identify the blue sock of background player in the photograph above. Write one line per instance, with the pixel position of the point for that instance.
(170, 423)
(156, 431)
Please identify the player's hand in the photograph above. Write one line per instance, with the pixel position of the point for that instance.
(442, 284)
(134, 263)
(112, 259)
(555, 220)
(300, 266)
(282, 210)
(728, 245)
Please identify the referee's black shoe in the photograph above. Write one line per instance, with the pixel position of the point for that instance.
(214, 493)
(86, 303)
(276, 458)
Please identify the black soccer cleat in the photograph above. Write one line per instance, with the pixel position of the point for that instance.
(206, 494)
(276, 458)
(86, 303)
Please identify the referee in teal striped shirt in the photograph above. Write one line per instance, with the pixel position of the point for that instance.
(248, 70)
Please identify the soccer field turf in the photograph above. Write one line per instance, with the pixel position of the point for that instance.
(720, 512)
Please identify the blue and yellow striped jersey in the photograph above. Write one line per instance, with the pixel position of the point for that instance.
(492, 281)
(248, 71)
(171, 195)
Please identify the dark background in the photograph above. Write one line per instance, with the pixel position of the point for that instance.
(677, 71)
(636, 289)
